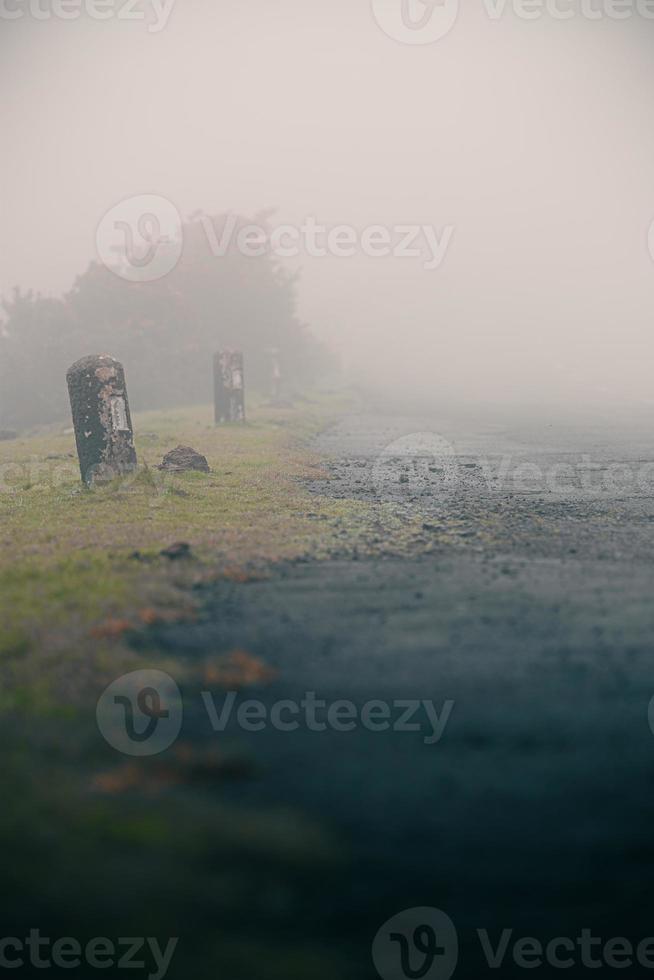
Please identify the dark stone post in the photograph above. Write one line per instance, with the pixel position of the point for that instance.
(228, 386)
(103, 426)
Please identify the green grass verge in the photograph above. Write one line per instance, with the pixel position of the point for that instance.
(93, 846)
(67, 560)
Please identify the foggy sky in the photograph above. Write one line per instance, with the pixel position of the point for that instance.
(532, 139)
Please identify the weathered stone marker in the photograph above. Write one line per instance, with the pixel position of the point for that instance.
(275, 374)
(103, 426)
(278, 389)
(228, 386)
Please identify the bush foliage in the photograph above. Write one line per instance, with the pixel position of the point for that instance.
(164, 332)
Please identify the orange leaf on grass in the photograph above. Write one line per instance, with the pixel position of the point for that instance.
(238, 669)
(111, 629)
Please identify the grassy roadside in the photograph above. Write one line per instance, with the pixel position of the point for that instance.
(76, 565)
(100, 845)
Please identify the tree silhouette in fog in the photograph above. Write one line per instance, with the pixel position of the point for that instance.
(165, 332)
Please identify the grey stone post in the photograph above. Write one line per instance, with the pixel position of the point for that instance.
(228, 386)
(101, 418)
(275, 374)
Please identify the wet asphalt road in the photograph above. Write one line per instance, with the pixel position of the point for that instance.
(525, 618)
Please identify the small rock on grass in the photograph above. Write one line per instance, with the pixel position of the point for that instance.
(181, 549)
(182, 459)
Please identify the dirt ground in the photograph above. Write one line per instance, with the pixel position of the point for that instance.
(522, 611)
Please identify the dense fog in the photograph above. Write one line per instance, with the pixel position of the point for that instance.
(493, 187)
